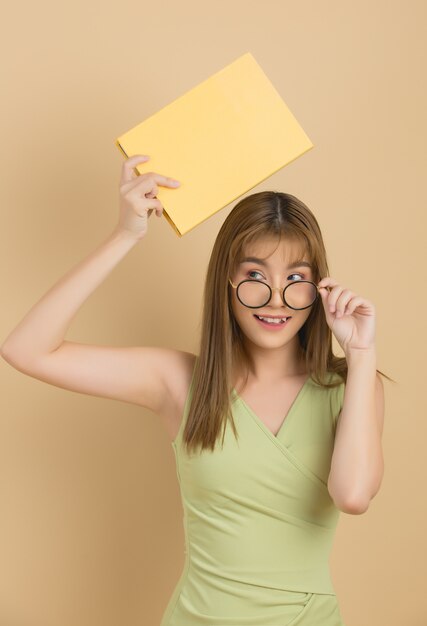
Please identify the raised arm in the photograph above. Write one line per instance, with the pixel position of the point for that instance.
(36, 346)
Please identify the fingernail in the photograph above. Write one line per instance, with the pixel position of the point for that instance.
(176, 182)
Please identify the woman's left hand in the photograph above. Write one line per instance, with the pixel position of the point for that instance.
(352, 319)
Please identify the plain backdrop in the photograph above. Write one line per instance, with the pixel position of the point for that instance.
(91, 519)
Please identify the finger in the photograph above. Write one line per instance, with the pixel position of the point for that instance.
(140, 191)
(333, 297)
(325, 286)
(355, 302)
(344, 298)
(159, 208)
(153, 193)
(327, 281)
(130, 185)
(152, 204)
(128, 166)
(164, 181)
(146, 183)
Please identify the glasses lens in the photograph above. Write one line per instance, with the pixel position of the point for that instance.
(253, 294)
(300, 295)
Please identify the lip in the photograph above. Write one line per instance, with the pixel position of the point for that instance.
(273, 326)
(273, 317)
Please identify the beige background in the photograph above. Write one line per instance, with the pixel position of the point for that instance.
(91, 521)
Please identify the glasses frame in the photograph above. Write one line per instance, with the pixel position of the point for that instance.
(255, 280)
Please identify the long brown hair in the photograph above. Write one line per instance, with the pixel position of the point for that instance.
(222, 348)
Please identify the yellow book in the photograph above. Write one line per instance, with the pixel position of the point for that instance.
(219, 139)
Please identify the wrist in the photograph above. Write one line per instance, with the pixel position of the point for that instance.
(356, 355)
(124, 235)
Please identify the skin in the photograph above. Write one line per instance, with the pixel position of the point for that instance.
(357, 464)
(275, 354)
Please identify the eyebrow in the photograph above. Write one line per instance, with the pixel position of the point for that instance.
(254, 259)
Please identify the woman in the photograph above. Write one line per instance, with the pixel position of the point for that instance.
(273, 434)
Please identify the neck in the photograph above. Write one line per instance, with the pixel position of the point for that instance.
(270, 365)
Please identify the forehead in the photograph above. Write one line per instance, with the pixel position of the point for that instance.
(267, 252)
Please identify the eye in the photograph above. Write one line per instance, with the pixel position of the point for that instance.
(297, 274)
(289, 277)
(254, 272)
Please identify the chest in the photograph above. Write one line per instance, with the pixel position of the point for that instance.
(272, 404)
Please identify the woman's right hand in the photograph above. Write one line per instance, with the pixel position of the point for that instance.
(137, 195)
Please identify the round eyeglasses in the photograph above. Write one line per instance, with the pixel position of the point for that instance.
(255, 294)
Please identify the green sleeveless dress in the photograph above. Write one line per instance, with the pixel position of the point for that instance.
(259, 521)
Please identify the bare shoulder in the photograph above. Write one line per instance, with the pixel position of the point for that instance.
(177, 373)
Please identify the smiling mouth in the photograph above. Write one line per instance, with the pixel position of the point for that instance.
(276, 321)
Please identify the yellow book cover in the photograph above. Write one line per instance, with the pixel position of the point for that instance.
(219, 139)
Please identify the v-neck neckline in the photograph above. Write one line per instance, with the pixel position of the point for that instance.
(289, 414)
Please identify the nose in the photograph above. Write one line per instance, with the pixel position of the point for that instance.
(277, 297)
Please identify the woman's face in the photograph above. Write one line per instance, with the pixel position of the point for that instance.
(278, 270)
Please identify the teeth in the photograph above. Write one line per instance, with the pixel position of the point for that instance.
(271, 320)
